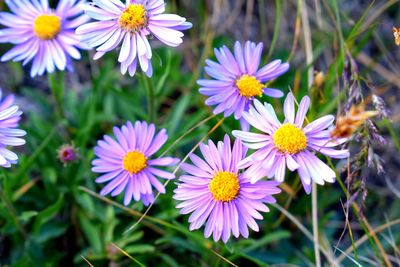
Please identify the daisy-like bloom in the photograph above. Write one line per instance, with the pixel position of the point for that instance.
(42, 35)
(289, 144)
(131, 24)
(237, 79)
(126, 162)
(218, 195)
(10, 115)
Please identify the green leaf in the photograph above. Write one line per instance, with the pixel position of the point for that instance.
(92, 233)
(139, 249)
(27, 215)
(51, 230)
(47, 214)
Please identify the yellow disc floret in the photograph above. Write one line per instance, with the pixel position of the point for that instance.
(133, 18)
(290, 139)
(249, 86)
(134, 162)
(224, 186)
(46, 27)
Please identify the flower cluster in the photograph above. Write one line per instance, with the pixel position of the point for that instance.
(223, 189)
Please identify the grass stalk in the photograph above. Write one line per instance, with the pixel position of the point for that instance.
(314, 201)
(56, 83)
(150, 98)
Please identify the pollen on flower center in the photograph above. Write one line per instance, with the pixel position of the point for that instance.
(133, 18)
(134, 162)
(249, 86)
(46, 27)
(224, 186)
(290, 139)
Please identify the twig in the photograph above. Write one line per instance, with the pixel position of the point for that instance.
(87, 261)
(223, 258)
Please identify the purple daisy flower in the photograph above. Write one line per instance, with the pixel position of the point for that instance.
(42, 35)
(237, 79)
(219, 195)
(289, 144)
(131, 23)
(127, 164)
(10, 115)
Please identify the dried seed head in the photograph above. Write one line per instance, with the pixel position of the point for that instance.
(348, 124)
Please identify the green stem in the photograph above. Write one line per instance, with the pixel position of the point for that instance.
(277, 27)
(24, 168)
(314, 201)
(11, 209)
(392, 133)
(356, 211)
(150, 98)
(56, 83)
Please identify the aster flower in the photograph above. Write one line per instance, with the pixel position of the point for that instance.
(289, 144)
(218, 195)
(42, 35)
(10, 115)
(131, 24)
(237, 79)
(126, 163)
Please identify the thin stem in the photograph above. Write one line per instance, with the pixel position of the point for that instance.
(314, 200)
(364, 238)
(372, 237)
(11, 209)
(56, 83)
(392, 133)
(24, 168)
(150, 98)
(129, 256)
(185, 134)
(278, 16)
(307, 233)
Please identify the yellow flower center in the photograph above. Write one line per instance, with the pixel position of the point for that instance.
(46, 27)
(224, 186)
(134, 162)
(249, 86)
(290, 139)
(133, 18)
